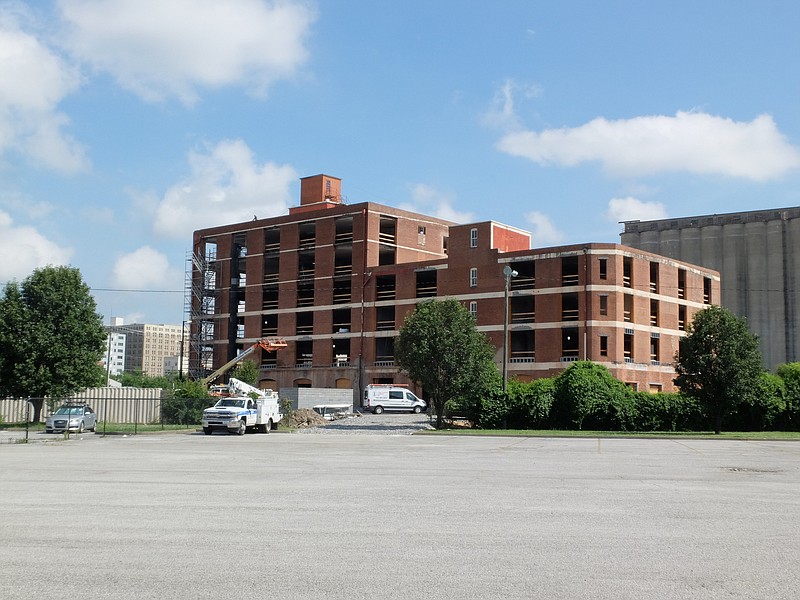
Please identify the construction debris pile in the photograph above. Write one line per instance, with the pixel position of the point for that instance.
(303, 418)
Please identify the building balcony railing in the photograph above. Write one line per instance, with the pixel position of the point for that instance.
(304, 329)
(523, 282)
(654, 287)
(269, 331)
(305, 273)
(626, 281)
(342, 297)
(523, 317)
(303, 301)
(385, 325)
(569, 358)
(307, 243)
(426, 291)
(344, 237)
(387, 238)
(343, 270)
(386, 294)
(270, 304)
(681, 293)
(271, 277)
(654, 320)
(272, 248)
(569, 279)
(570, 315)
(341, 362)
(303, 364)
(523, 356)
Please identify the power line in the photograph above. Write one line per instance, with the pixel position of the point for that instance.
(137, 291)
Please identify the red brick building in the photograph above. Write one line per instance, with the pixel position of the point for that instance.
(337, 280)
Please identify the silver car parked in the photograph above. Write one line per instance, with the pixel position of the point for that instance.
(72, 417)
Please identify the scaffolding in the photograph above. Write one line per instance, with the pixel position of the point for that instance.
(199, 308)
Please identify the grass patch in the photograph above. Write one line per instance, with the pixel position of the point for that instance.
(726, 435)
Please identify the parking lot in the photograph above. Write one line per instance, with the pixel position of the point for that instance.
(398, 516)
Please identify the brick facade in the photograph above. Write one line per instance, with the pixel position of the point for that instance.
(336, 281)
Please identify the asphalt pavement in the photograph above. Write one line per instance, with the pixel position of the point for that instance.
(398, 516)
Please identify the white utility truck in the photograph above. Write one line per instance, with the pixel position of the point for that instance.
(242, 407)
(380, 397)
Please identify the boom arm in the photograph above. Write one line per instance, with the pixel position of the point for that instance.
(268, 344)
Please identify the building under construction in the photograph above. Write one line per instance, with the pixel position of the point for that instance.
(335, 281)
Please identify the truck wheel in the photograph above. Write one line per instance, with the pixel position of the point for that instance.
(417, 410)
(267, 426)
(207, 430)
(242, 428)
(378, 410)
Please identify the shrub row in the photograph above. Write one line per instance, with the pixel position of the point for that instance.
(587, 396)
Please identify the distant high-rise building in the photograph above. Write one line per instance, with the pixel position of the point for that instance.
(147, 346)
(114, 357)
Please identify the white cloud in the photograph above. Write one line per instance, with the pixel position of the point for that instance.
(544, 232)
(502, 113)
(160, 49)
(225, 186)
(146, 269)
(633, 209)
(24, 249)
(691, 142)
(34, 81)
(428, 200)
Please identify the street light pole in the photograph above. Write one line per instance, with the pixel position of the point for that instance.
(508, 272)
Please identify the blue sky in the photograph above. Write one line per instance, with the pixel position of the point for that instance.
(125, 126)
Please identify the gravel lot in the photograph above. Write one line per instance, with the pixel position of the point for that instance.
(369, 424)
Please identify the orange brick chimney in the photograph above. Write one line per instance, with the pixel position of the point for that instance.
(317, 192)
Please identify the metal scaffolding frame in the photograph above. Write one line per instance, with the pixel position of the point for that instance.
(199, 307)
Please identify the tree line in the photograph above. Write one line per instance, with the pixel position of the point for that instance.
(52, 342)
(718, 371)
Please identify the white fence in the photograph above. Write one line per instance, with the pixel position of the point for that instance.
(112, 404)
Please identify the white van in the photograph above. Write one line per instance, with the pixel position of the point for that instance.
(380, 397)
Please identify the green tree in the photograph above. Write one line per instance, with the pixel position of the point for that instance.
(763, 406)
(587, 393)
(790, 374)
(247, 371)
(51, 338)
(139, 379)
(666, 412)
(523, 406)
(440, 348)
(185, 403)
(718, 362)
